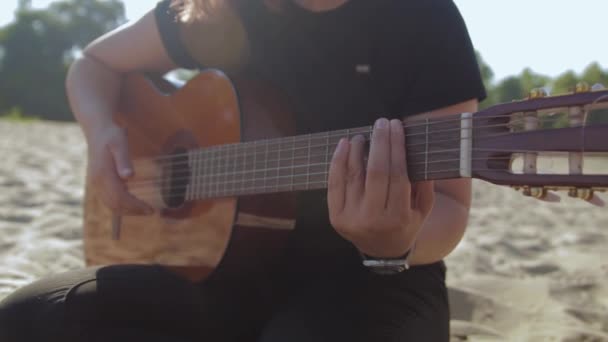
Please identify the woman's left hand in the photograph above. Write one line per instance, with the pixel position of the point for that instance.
(376, 207)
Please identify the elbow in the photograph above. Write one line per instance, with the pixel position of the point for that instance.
(71, 75)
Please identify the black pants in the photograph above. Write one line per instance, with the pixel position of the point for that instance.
(147, 303)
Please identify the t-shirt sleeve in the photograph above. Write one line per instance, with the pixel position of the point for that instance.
(169, 29)
(444, 69)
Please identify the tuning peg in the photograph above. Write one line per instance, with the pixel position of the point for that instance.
(540, 193)
(551, 197)
(597, 201)
(536, 192)
(588, 195)
(537, 93)
(582, 193)
(582, 87)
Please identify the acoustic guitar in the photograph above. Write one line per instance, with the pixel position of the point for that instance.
(219, 160)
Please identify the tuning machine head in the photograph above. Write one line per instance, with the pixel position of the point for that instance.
(538, 192)
(582, 87)
(537, 93)
(547, 193)
(535, 191)
(582, 193)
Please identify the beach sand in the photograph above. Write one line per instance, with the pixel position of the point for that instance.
(525, 271)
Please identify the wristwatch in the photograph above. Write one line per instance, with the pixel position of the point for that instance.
(388, 265)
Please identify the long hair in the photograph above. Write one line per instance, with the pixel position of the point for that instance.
(191, 10)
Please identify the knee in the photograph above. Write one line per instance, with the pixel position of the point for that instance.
(31, 312)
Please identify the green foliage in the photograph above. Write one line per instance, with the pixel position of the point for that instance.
(15, 114)
(38, 47)
(518, 87)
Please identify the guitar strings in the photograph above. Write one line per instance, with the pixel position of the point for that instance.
(226, 149)
(218, 182)
(340, 133)
(238, 163)
(222, 173)
(223, 183)
(256, 189)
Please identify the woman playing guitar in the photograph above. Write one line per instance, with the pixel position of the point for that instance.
(345, 273)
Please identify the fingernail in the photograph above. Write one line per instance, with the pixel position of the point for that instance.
(126, 172)
(381, 123)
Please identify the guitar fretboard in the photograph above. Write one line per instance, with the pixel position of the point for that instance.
(302, 162)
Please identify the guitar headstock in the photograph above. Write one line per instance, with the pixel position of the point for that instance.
(545, 143)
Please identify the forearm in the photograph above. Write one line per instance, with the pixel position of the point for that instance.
(442, 231)
(93, 91)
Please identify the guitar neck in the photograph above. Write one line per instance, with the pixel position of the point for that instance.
(298, 163)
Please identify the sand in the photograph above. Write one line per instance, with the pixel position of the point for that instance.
(525, 271)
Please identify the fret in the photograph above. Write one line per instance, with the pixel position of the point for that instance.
(278, 166)
(224, 172)
(221, 174)
(255, 165)
(293, 152)
(192, 164)
(199, 173)
(326, 155)
(234, 159)
(216, 171)
(308, 165)
(205, 176)
(426, 152)
(265, 165)
(207, 180)
(225, 167)
(243, 168)
(191, 174)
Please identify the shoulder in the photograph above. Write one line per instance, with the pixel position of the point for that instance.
(217, 39)
(418, 21)
(405, 6)
(415, 12)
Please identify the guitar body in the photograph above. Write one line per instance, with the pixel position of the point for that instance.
(193, 238)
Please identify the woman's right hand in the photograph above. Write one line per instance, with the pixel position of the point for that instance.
(109, 168)
(93, 87)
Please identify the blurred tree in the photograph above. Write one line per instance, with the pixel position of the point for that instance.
(38, 46)
(85, 20)
(487, 75)
(594, 74)
(565, 82)
(509, 89)
(530, 80)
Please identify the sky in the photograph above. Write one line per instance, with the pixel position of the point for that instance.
(549, 36)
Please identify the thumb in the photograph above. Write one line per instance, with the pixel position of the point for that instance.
(122, 161)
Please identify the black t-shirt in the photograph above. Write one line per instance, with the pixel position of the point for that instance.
(349, 66)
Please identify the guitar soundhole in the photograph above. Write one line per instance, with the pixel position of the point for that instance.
(176, 176)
